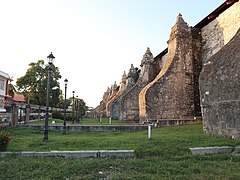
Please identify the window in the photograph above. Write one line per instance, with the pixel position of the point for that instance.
(2, 83)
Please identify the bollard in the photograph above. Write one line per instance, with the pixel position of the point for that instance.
(110, 120)
(149, 131)
(98, 154)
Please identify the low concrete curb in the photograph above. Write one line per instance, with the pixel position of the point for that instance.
(236, 150)
(215, 150)
(90, 127)
(75, 154)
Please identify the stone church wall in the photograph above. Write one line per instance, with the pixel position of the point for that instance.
(219, 79)
(118, 93)
(220, 31)
(161, 59)
(115, 107)
(130, 104)
(220, 91)
(170, 87)
(171, 95)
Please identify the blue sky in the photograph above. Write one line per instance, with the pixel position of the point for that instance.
(93, 41)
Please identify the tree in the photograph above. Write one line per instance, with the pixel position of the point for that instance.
(61, 102)
(34, 84)
(11, 88)
(80, 106)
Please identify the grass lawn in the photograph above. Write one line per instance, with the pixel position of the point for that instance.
(165, 156)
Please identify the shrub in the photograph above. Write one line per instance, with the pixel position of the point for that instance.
(4, 140)
(57, 115)
(68, 117)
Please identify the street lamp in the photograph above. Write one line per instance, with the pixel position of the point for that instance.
(65, 104)
(79, 110)
(21, 112)
(50, 62)
(76, 108)
(73, 108)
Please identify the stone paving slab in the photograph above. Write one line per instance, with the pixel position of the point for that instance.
(75, 154)
(215, 150)
(236, 150)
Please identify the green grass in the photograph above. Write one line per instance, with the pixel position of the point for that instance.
(83, 121)
(165, 156)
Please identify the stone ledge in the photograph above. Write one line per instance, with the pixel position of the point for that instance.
(90, 127)
(236, 150)
(215, 150)
(75, 154)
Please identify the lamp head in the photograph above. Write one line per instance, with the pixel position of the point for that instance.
(50, 58)
(65, 82)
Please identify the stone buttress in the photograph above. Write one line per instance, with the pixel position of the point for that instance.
(115, 105)
(120, 90)
(129, 104)
(174, 93)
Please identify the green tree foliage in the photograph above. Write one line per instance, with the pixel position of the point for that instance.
(34, 84)
(61, 102)
(11, 89)
(80, 106)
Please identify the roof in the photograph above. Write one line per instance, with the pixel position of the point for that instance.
(213, 15)
(18, 98)
(4, 75)
(162, 53)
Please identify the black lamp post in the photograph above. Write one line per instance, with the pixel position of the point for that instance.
(76, 105)
(50, 62)
(73, 108)
(79, 110)
(21, 113)
(65, 104)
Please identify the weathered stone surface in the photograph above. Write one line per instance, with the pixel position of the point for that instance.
(117, 94)
(172, 94)
(129, 105)
(107, 96)
(75, 154)
(27, 114)
(220, 91)
(90, 128)
(100, 110)
(15, 116)
(220, 31)
(211, 150)
(236, 150)
(115, 106)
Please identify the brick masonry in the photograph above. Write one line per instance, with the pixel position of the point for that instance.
(220, 91)
(168, 86)
(172, 94)
(100, 110)
(220, 31)
(119, 92)
(116, 105)
(129, 105)
(219, 79)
